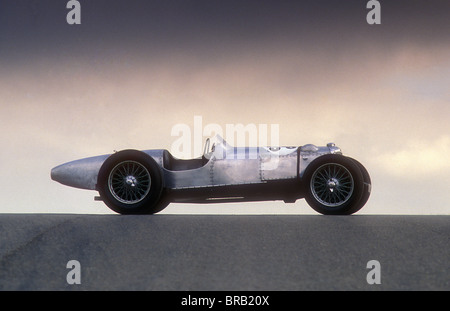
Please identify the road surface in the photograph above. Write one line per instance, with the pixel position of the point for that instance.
(226, 253)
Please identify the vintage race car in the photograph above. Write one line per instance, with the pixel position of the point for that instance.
(145, 182)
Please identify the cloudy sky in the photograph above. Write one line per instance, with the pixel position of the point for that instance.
(132, 70)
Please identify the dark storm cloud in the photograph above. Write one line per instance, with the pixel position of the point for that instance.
(38, 27)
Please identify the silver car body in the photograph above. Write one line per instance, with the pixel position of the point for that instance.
(222, 165)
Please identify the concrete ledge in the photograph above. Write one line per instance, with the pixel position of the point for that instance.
(208, 252)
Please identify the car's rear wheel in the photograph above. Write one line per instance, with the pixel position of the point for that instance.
(367, 186)
(131, 182)
(334, 185)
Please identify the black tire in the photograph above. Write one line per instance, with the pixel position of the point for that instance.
(367, 186)
(131, 182)
(333, 185)
(163, 202)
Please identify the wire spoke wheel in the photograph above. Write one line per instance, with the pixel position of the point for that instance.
(129, 182)
(332, 184)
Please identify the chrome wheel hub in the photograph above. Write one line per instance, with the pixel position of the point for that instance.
(332, 183)
(131, 181)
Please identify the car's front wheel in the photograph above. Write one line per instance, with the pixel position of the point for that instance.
(131, 182)
(334, 185)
